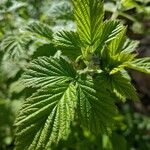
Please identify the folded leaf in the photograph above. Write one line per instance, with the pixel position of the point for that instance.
(89, 16)
(118, 83)
(141, 64)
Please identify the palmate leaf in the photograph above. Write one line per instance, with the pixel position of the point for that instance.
(46, 117)
(89, 16)
(93, 32)
(69, 43)
(141, 64)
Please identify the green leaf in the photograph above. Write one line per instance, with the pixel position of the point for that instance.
(108, 31)
(123, 88)
(117, 54)
(129, 46)
(44, 50)
(120, 84)
(96, 107)
(69, 43)
(40, 31)
(116, 45)
(15, 47)
(46, 117)
(141, 64)
(89, 16)
(120, 61)
(48, 70)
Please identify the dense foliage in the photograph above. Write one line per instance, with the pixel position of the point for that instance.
(65, 85)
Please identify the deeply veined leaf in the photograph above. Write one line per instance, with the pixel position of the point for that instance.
(121, 44)
(117, 54)
(109, 30)
(15, 47)
(96, 107)
(62, 11)
(129, 46)
(120, 84)
(46, 117)
(115, 63)
(141, 64)
(116, 44)
(48, 70)
(89, 16)
(69, 43)
(123, 88)
(121, 61)
(41, 31)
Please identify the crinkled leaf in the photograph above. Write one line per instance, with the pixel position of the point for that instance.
(69, 43)
(46, 117)
(109, 30)
(48, 70)
(120, 84)
(96, 107)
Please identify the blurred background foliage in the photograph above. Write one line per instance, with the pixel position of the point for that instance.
(132, 130)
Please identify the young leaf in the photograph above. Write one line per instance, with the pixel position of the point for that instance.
(116, 45)
(89, 16)
(141, 64)
(46, 117)
(109, 30)
(118, 83)
(123, 88)
(120, 61)
(129, 46)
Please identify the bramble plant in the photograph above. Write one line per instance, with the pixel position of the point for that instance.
(81, 80)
